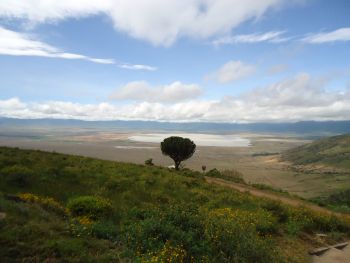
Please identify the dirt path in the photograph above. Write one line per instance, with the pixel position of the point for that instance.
(274, 196)
(332, 256)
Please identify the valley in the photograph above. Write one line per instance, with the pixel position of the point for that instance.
(257, 156)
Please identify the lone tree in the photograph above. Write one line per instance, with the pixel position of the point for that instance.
(178, 149)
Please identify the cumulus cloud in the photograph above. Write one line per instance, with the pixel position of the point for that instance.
(21, 44)
(271, 37)
(157, 21)
(341, 34)
(300, 98)
(300, 91)
(143, 91)
(231, 71)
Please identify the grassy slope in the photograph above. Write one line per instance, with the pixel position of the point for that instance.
(333, 151)
(157, 214)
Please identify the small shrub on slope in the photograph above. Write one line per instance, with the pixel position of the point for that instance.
(90, 206)
(46, 202)
(235, 236)
(17, 175)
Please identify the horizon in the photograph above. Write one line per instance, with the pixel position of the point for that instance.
(272, 61)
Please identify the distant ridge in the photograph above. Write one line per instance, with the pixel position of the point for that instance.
(321, 128)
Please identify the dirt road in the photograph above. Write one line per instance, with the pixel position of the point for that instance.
(265, 194)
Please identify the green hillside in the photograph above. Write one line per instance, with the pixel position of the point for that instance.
(333, 151)
(61, 208)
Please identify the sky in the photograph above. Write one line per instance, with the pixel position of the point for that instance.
(175, 60)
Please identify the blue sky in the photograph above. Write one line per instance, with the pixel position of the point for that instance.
(195, 60)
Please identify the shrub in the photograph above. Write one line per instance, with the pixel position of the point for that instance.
(47, 203)
(269, 188)
(234, 236)
(169, 253)
(229, 175)
(311, 221)
(91, 206)
(233, 175)
(213, 173)
(104, 230)
(293, 228)
(278, 210)
(17, 175)
(148, 233)
(149, 162)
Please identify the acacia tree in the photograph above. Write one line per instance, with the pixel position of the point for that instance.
(178, 149)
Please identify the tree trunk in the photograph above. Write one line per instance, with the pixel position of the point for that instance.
(177, 164)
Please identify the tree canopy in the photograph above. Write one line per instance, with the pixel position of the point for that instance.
(178, 149)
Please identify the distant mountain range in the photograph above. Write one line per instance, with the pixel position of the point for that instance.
(318, 128)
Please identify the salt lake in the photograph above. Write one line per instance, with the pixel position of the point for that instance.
(225, 140)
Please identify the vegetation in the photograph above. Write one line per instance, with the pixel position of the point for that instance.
(90, 206)
(269, 188)
(229, 175)
(333, 151)
(339, 201)
(264, 154)
(149, 162)
(77, 209)
(178, 149)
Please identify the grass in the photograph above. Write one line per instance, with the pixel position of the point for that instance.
(264, 154)
(229, 175)
(339, 201)
(63, 208)
(270, 188)
(333, 151)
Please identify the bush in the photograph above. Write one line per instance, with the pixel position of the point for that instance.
(311, 221)
(17, 175)
(90, 206)
(149, 162)
(104, 230)
(168, 253)
(278, 210)
(213, 173)
(234, 236)
(47, 203)
(148, 233)
(269, 188)
(229, 175)
(233, 175)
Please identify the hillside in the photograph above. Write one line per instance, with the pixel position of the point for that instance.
(63, 208)
(333, 151)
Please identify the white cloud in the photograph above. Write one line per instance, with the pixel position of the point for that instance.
(142, 91)
(300, 91)
(341, 34)
(12, 104)
(20, 44)
(271, 36)
(157, 21)
(231, 71)
(137, 67)
(296, 99)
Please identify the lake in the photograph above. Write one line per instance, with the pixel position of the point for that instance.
(227, 140)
